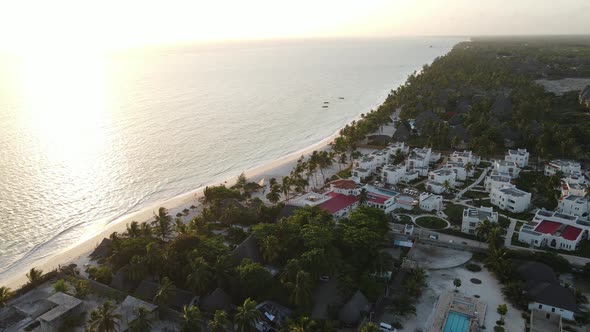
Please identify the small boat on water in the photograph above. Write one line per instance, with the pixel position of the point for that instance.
(325, 106)
(326, 102)
(340, 97)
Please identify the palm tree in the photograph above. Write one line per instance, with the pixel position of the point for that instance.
(219, 322)
(199, 225)
(222, 269)
(304, 324)
(286, 187)
(142, 322)
(447, 185)
(200, 277)
(483, 228)
(162, 296)
(274, 195)
(370, 327)
(102, 319)
(138, 268)
(301, 295)
(34, 276)
(269, 248)
(145, 230)
(494, 236)
(468, 167)
(457, 283)
(181, 228)
(247, 316)
(192, 319)
(133, 229)
(5, 294)
(363, 196)
(162, 223)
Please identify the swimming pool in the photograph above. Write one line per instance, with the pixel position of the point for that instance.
(456, 322)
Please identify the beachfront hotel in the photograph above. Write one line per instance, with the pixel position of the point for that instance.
(554, 230)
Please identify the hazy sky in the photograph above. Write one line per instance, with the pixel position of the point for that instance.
(105, 24)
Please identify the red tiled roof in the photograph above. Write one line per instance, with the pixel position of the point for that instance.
(343, 184)
(337, 202)
(376, 198)
(571, 233)
(547, 227)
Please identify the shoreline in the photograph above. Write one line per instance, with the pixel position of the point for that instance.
(278, 168)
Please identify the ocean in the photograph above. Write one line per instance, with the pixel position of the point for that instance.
(87, 138)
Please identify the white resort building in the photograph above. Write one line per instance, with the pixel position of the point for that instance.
(520, 157)
(495, 181)
(573, 189)
(395, 148)
(393, 174)
(472, 217)
(419, 160)
(459, 169)
(564, 166)
(464, 157)
(510, 198)
(431, 202)
(437, 180)
(506, 168)
(578, 206)
(554, 230)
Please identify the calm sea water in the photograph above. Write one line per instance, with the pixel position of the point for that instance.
(85, 139)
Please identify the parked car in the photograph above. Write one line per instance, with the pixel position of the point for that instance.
(384, 327)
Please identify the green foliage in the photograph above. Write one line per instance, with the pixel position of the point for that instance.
(454, 213)
(102, 274)
(431, 222)
(191, 319)
(81, 287)
(216, 194)
(255, 281)
(370, 327)
(102, 319)
(34, 276)
(457, 282)
(5, 295)
(220, 322)
(247, 316)
(61, 286)
(142, 322)
(473, 267)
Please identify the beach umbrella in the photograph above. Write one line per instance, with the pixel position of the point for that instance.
(179, 214)
(193, 207)
(261, 182)
(185, 211)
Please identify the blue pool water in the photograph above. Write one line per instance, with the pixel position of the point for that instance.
(385, 192)
(456, 323)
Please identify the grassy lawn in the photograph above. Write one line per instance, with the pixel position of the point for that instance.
(482, 202)
(455, 213)
(518, 225)
(431, 222)
(403, 219)
(345, 173)
(469, 181)
(475, 194)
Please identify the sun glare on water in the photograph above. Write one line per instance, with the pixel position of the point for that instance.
(66, 104)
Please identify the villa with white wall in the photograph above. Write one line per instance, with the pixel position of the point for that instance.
(437, 178)
(395, 148)
(564, 166)
(464, 157)
(472, 217)
(431, 202)
(519, 156)
(495, 180)
(459, 169)
(510, 198)
(419, 160)
(568, 188)
(506, 168)
(578, 206)
(393, 174)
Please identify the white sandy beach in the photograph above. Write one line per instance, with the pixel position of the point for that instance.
(79, 252)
